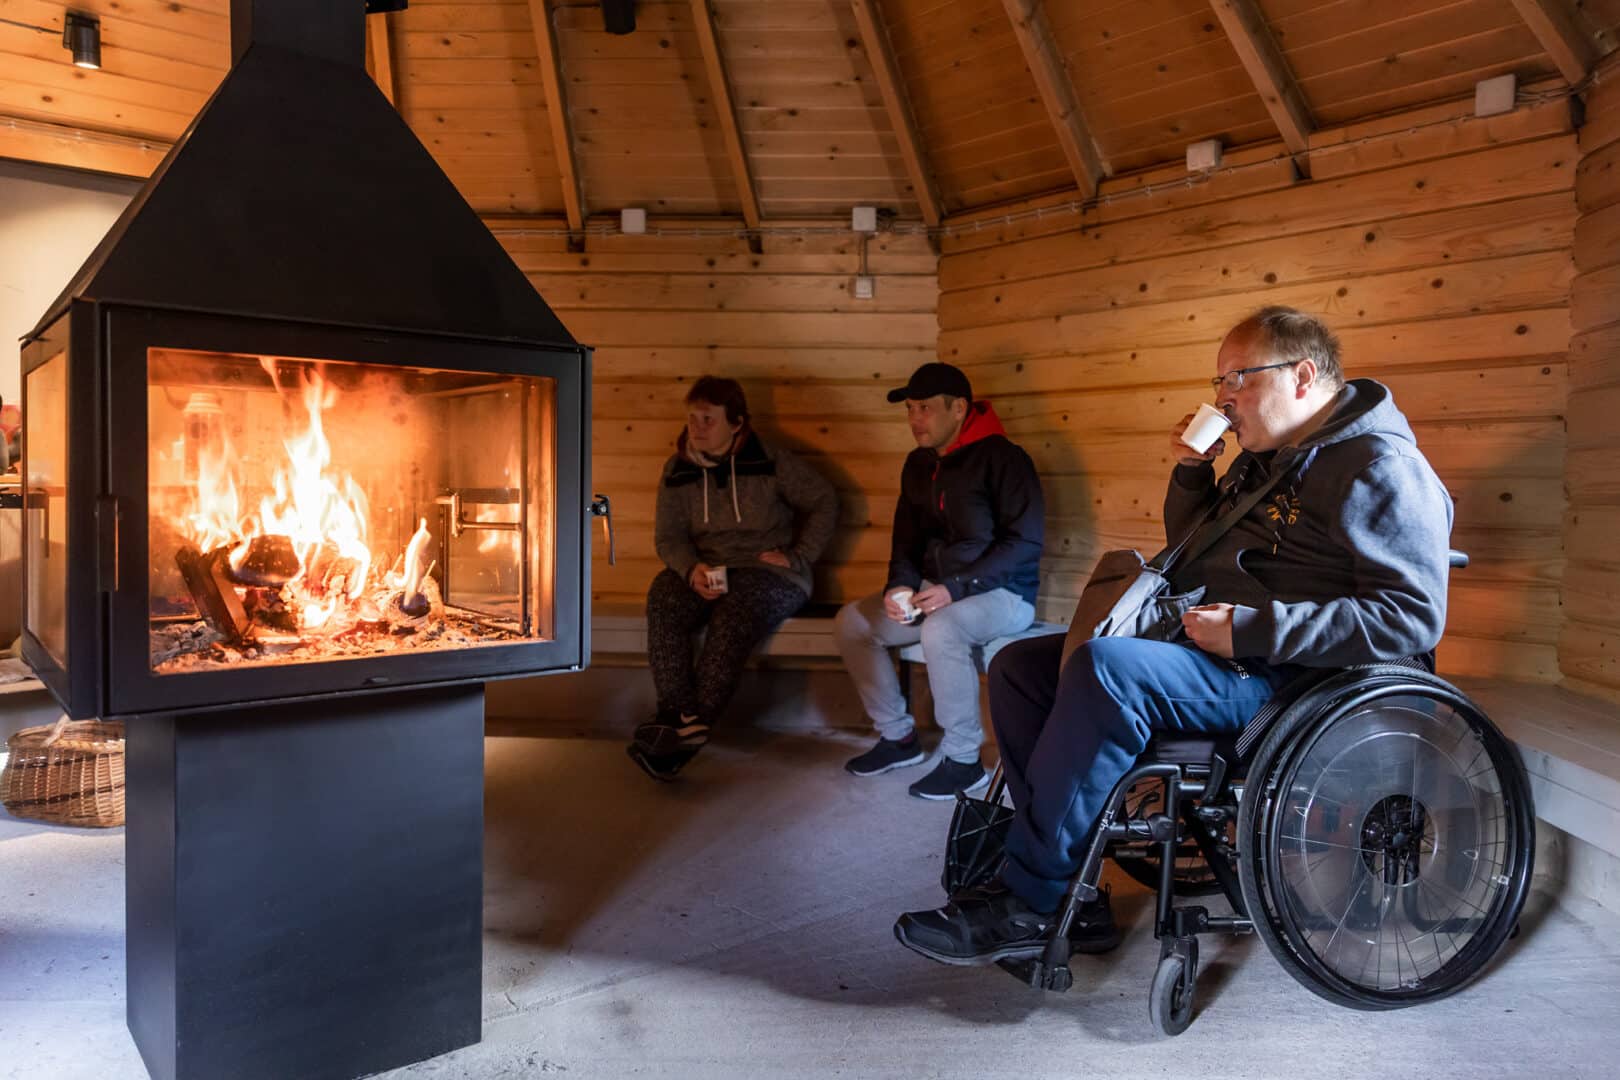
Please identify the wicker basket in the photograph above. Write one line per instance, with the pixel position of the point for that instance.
(68, 773)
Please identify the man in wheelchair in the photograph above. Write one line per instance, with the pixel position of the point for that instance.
(1344, 561)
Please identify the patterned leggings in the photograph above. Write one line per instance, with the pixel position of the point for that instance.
(756, 604)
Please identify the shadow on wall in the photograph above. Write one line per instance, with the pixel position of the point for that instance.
(857, 509)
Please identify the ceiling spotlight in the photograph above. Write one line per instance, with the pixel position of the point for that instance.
(81, 35)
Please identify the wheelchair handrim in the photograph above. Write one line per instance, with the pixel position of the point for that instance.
(1492, 901)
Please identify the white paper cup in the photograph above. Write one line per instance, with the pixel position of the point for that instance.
(1207, 425)
(902, 600)
(715, 578)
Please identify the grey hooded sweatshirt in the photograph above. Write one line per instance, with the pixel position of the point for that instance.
(1345, 561)
(753, 500)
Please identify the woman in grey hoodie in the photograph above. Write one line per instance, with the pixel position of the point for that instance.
(759, 517)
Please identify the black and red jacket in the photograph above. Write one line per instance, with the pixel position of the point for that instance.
(970, 518)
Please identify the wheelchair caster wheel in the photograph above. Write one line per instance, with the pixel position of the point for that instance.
(1170, 1002)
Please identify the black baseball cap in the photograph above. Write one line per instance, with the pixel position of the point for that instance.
(931, 379)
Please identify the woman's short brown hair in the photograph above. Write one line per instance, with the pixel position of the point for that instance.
(726, 393)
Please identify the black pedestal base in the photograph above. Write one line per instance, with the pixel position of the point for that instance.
(305, 885)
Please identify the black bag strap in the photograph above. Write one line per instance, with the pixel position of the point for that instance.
(1207, 532)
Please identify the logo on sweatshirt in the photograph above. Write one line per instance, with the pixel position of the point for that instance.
(1283, 508)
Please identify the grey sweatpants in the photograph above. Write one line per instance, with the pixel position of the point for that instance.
(865, 636)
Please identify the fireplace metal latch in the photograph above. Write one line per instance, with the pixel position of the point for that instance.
(602, 507)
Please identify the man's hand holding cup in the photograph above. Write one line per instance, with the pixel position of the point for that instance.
(1200, 434)
(897, 605)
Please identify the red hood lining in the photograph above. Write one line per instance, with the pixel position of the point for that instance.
(981, 423)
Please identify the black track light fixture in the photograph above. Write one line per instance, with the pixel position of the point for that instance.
(81, 35)
(619, 16)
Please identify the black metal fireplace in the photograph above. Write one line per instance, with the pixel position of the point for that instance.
(229, 509)
(307, 463)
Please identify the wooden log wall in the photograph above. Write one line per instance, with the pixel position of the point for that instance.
(1443, 259)
(1589, 646)
(815, 364)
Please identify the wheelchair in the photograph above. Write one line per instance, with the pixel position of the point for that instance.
(1370, 824)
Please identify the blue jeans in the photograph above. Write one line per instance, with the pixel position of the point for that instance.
(949, 636)
(1067, 738)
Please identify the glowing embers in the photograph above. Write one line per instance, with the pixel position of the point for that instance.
(285, 550)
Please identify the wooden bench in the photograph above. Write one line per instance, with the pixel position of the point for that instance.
(809, 634)
(623, 629)
(1570, 744)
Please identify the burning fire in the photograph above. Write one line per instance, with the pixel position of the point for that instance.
(307, 543)
(414, 597)
(313, 505)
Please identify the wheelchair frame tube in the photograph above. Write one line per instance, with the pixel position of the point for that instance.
(1084, 886)
(1217, 865)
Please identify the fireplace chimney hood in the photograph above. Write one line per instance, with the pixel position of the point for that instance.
(299, 270)
(298, 192)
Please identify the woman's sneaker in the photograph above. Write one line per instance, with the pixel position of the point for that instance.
(670, 732)
(662, 767)
(949, 777)
(887, 754)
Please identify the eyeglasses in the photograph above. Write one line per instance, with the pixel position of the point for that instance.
(1232, 381)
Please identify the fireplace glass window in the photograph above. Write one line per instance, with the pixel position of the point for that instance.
(304, 510)
(45, 529)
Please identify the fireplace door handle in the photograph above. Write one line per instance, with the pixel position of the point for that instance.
(107, 523)
(602, 507)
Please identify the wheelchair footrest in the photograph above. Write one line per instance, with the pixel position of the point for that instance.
(1034, 973)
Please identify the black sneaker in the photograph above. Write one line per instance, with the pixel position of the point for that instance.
(669, 732)
(977, 926)
(887, 754)
(948, 778)
(1093, 930)
(661, 767)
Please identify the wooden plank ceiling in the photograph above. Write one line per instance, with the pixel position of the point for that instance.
(781, 110)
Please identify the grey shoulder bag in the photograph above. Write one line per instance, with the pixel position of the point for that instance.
(1127, 596)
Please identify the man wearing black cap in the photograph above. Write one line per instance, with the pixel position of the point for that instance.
(966, 548)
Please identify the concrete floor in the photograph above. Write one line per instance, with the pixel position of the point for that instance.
(737, 924)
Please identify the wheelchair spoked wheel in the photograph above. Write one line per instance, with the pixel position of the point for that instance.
(1192, 876)
(1387, 835)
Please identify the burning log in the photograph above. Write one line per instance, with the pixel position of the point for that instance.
(405, 611)
(270, 562)
(268, 607)
(208, 581)
(330, 571)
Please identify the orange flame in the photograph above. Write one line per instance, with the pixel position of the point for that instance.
(311, 503)
(415, 570)
(215, 515)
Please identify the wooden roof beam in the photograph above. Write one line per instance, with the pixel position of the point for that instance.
(562, 128)
(1556, 26)
(875, 39)
(1057, 92)
(1246, 29)
(720, 90)
(380, 56)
